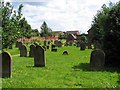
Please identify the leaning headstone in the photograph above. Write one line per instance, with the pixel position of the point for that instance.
(45, 42)
(82, 46)
(97, 59)
(32, 51)
(23, 51)
(6, 67)
(39, 57)
(19, 45)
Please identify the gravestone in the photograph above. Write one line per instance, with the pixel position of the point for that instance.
(23, 51)
(48, 42)
(19, 45)
(32, 51)
(78, 44)
(45, 42)
(6, 67)
(82, 46)
(89, 46)
(48, 47)
(65, 52)
(56, 43)
(39, 57)
(97, 59)
(54, 49)
(59, 44)
(53, 46)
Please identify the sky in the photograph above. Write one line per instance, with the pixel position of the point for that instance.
(61, 15)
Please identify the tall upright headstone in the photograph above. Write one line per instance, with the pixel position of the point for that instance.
(23, 51)
(97, 59)
(82, 46)
(32, 51)
(39, 57)
(6, 65)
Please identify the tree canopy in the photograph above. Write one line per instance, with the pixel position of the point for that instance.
(106, 29)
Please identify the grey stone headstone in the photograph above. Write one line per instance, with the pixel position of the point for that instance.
(82, 46)
(39, 57)
(53, 46)
(23, 51)
(19, 45)
(6, 67)
(56, 43)
(45, 43)
(97, 59)
(32, 51)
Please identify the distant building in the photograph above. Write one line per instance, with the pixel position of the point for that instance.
(73, 32)
(70, 37)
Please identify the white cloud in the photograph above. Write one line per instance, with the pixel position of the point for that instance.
(63, 14)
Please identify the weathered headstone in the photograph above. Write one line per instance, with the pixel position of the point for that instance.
(23, 51)
(65, 52)
(45, 42)
(82, 46)
(48, 47)
(19, 45)
(32, 51)
(6, 67)
(78, 44)
(53, 46)
(39, 57)
(54, 49)
(59, 44)
(48, 42)
(89, 46)
(56, 43)
(97, 59)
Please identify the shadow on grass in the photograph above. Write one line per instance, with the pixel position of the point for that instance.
(34, 67)
(86, 67)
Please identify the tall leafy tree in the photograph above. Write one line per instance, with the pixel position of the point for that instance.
(45, 30)
(106, 29)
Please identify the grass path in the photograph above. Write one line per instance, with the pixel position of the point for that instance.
(61, 71)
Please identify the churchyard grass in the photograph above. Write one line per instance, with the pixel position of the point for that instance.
(61, 71)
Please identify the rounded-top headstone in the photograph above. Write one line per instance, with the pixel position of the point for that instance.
(97, 59)
(32, 51)
(39, 57)
(6, 67)
(23, 51)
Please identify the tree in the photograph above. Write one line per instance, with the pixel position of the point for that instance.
(14, 25)
(45, 30)
(106, 29)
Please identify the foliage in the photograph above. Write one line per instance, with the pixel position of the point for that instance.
(106, 29)
(14, 25)
(45, 30)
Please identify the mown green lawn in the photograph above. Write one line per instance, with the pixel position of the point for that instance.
(61, 71)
